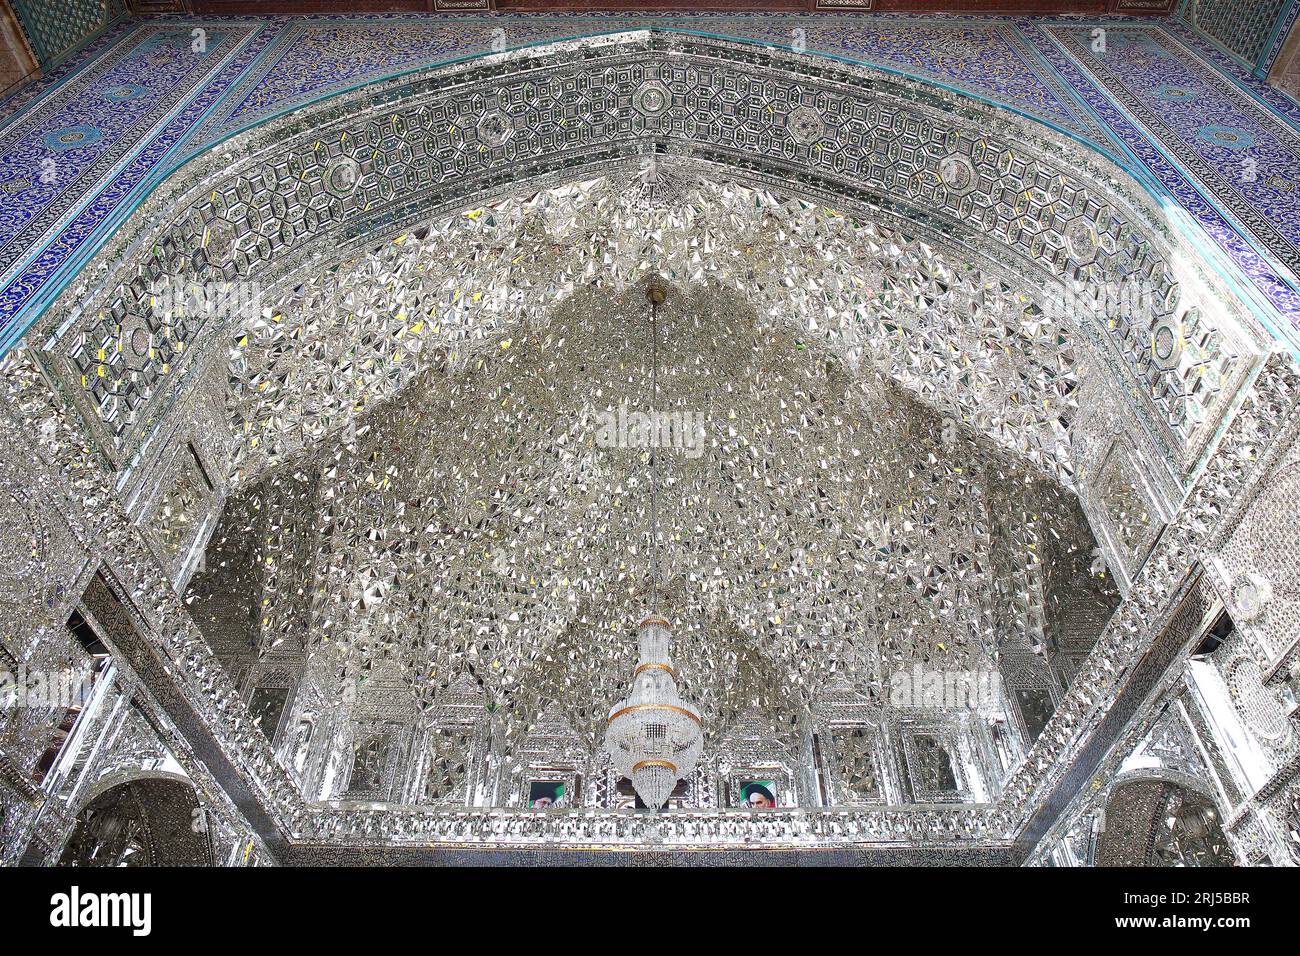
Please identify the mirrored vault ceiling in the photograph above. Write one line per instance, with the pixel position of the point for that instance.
(965, 343)
(470, 513)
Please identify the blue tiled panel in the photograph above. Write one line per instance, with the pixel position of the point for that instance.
(1244, 26)
(116, 119)
(316, 56)
(58, 193)
(54, 27)
(1247, 158)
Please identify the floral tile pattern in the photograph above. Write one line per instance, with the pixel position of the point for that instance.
(81, 148)
(986, 57)
(1234, 165)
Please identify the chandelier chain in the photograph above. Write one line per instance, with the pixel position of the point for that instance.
(654, 457)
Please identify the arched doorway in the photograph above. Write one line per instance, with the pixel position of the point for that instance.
(145, 822)
(1159, 823)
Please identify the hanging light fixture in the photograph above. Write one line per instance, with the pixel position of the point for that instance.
(653, 736)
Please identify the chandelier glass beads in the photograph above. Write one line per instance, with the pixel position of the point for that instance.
(653, 735)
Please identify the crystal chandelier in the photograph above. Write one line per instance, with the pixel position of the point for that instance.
(653, 736)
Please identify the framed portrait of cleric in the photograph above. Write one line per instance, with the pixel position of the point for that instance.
(762, 787)
(758, 794)
(544, 794)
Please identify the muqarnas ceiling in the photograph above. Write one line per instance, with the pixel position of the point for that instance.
(428, 488)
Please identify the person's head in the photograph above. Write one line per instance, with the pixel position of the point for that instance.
(545, 795)
(758, 797)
